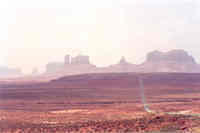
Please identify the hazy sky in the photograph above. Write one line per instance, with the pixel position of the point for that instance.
(35, 32)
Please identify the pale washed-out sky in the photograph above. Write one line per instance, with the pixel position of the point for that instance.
(35, 32)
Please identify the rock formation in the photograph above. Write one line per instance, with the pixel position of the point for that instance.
(80, 59)
(172, 61)
(156, 61)
(174, 56)
(123, 66)
(71, 65)
(67, 59)
(123, 61)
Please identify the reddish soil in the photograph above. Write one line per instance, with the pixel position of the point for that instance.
(101, 103)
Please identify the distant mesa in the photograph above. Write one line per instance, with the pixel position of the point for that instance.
(172, 61)
(156, 61)
(80, 59)
(174, 56)
(81, 64)
(71, 65)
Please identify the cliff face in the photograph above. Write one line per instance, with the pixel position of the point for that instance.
(81, 64)
(174, 56)
(79, 60)
(71, 65)
(172, 61)
(156, 61)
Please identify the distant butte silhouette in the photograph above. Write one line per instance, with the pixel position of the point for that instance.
(173, 61)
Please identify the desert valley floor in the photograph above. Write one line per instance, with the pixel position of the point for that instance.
(102, 103)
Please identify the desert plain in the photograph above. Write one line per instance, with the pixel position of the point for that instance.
(103, 103)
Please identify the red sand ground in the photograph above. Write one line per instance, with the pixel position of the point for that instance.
(101, 103)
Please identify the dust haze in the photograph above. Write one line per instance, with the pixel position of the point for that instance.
(99, 66)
